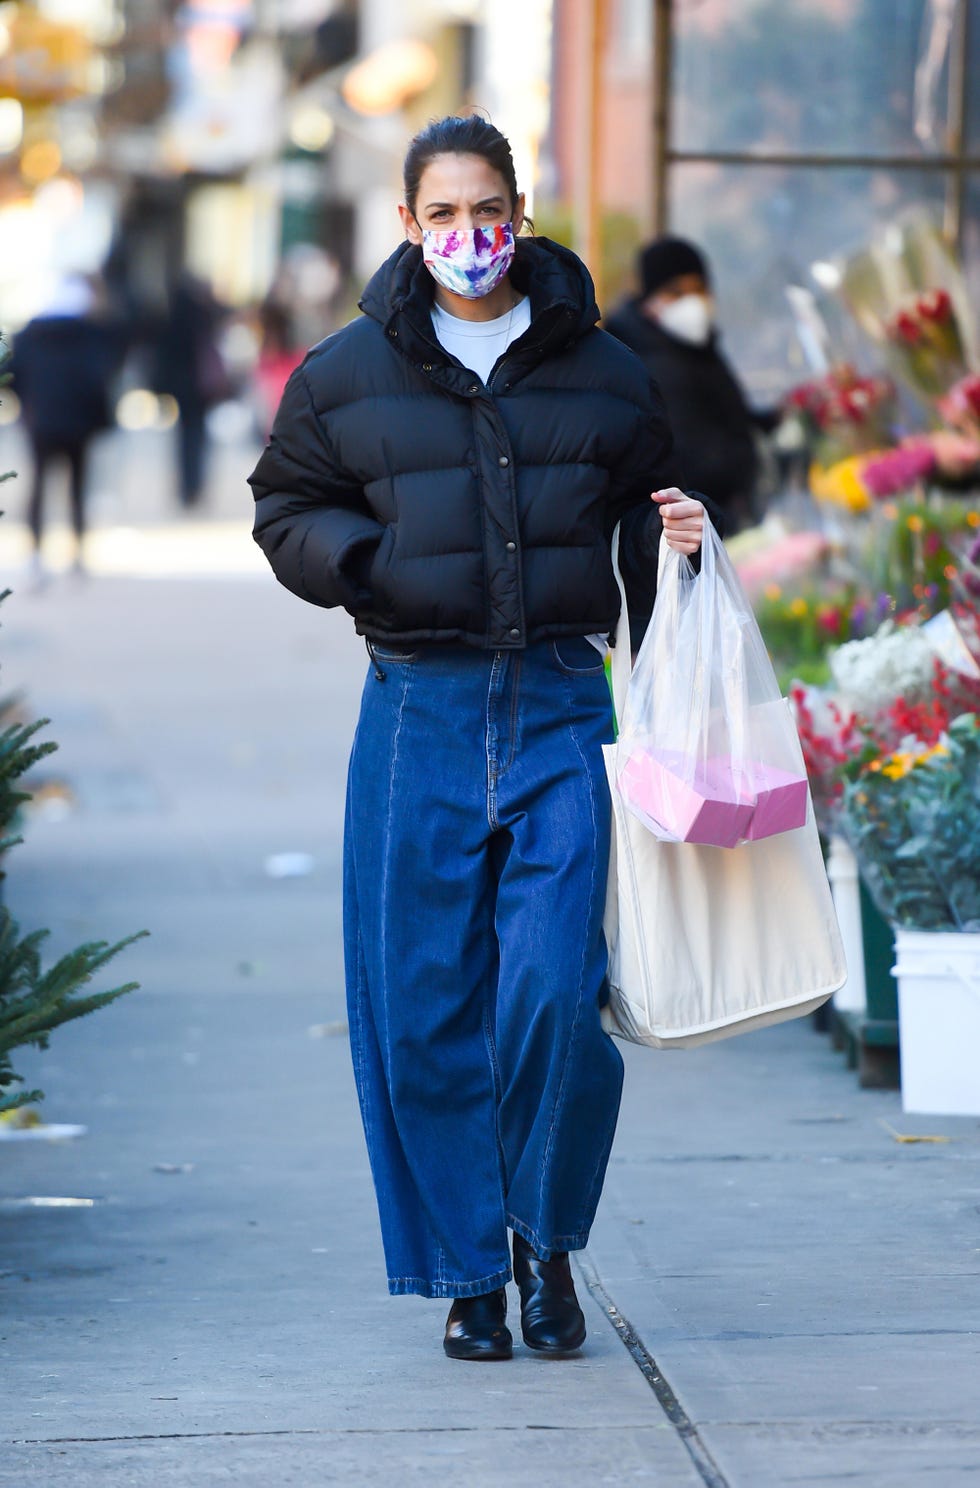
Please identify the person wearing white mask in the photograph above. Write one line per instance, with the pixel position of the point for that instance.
(671, 325)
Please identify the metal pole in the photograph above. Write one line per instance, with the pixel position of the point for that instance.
(792, 158)
(593, 237)
(663, 29)
(956, 127)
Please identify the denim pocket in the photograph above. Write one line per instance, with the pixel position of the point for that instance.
(577, 657)
(391, 654)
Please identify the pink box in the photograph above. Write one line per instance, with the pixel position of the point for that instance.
(782, 802)
(710, 808)
(713, 807)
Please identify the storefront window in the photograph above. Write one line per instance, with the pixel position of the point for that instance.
(834, 76)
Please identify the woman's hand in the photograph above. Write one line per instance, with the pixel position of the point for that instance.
(683, 519)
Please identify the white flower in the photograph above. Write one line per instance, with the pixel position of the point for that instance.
(895, 662)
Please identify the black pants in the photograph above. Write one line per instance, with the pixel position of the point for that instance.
(191, 449)
(44, 452)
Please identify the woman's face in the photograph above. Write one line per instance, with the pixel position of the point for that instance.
(461, 192)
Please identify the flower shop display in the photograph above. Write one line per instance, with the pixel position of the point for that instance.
(893, 754)
(873, 623)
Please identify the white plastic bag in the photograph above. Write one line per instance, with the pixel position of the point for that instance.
(708, 751)
(704, 942)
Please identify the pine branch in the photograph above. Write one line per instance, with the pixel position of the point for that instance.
(20, 1098)
(32, 1004)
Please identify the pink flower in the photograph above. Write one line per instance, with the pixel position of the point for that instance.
(962, 400)
(896, 470)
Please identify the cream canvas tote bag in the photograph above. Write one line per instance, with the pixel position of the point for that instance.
(707, 942)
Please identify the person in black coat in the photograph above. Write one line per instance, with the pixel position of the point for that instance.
(450, 468)
(63, 364)
(186, 364)
(671, 327)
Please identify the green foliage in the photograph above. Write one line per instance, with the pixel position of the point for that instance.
(17, 756)
(34, 1002)
(914, 824)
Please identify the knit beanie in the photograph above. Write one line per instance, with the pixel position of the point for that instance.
(667, 258)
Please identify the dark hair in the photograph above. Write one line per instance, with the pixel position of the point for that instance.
(458, 136)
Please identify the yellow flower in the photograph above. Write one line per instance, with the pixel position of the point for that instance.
(840, 484)
(773, 591)
(898, 765)
(915, 523)
(798, 608)
(973, 519)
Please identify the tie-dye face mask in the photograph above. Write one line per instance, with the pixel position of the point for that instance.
(469, 261)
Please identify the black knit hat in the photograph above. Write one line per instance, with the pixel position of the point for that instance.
(667, 258)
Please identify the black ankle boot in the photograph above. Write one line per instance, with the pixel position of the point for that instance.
(551, 1319)
(477, 1328)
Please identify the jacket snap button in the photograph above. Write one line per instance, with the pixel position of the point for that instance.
(473, 388)
(512, 547)
(426, 366)
(503, 460)
(392, 332)
(515, 632)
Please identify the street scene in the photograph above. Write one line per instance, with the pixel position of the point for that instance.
(779, 1283)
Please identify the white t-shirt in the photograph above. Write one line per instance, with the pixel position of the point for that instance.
(478, 344)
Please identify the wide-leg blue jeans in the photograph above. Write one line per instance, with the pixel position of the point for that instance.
(475, 867)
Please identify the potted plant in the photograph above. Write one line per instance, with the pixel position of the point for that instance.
(913, 819)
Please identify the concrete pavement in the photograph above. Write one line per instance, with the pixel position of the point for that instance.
(796, 1285)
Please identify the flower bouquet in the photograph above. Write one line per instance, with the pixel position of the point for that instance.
(926, 343)
(907, 293)
(843, 413)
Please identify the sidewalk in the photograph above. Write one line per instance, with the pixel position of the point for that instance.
(806, 1284)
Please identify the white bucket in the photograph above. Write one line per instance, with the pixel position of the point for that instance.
(938, 975)
(842, 870)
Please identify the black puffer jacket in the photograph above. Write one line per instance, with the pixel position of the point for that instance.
(435, 508)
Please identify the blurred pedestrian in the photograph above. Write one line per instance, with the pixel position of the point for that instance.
(187, 365)
(672, 327)
(278, 358)
(64, 361)
(450, 468)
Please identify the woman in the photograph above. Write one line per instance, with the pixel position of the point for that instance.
(450, 468)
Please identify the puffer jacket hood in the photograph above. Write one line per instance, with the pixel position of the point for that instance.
(437, 507)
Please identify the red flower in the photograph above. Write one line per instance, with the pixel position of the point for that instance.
(829, 619)
(935, 305)
(906, 327)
